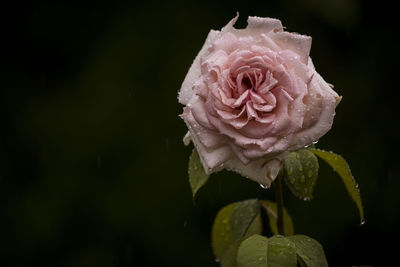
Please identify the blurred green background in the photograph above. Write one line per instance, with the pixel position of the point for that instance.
(93, 171)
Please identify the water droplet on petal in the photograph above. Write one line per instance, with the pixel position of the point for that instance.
(263, 186)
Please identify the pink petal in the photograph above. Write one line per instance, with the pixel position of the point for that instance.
(256, 98)
(300, 44)
(263, 25)
(240, 101)
(186, 92)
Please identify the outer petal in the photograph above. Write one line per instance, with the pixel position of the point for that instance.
(186, 92)
(210, 139)
(263, 25)
(321, 111)
(262, 171)
(255, 26)
(300, 44)
(212, 159)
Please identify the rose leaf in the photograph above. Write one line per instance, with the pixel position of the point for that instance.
(339, 164)
(309, 251)
(233, 224)
(271, 210)
(260, 251)
(253, 252)
(242, 216)
(197, 175)
(281, 252)
(301, 173)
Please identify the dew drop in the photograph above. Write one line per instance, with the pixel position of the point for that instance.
(263, 186)
(362, 223)
(315, 142)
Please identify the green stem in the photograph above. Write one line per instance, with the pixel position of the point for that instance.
(279, 202)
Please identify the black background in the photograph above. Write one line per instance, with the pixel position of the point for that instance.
(93, 171)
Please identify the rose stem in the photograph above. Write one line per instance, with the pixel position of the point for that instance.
(279, 202)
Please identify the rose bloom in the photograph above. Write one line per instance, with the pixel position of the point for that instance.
(251, 96)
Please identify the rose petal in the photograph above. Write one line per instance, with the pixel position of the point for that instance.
(258, 25)
(186, 92)
(262, 171)
(241, 100)
(208, 140)
(300, 44)
(227, 42)
(323, 108)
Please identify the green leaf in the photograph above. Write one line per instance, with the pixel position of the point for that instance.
(301, 173)
(242, 216)
(281, 252)
(272, 212)
(309, 250)
(227, 234)
(253, 252)
(229, 257)
(257, 250)
(197, 175)
(339, 164)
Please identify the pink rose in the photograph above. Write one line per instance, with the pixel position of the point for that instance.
(251, 96)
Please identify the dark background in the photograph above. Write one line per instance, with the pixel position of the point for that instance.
(93, 171)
